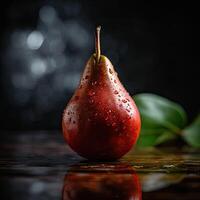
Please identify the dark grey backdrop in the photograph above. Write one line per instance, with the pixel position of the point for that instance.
(45, 44)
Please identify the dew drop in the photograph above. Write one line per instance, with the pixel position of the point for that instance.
(128, 99)
(119, 95)
(124, 101)
(94, 83)
(115, 81)
(91, 93)
(113, 124)
(109, 111)
(128, 110)
(120, 105)
(116, 92)
(110, 71)
(91, 101)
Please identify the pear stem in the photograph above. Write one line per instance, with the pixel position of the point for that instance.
(97, 44)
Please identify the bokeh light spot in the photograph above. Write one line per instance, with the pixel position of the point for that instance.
(38, 67)
(35, 40)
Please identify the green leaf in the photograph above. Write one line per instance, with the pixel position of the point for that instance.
(161, 119)
(152, 139)
(160, 112)
(147, 140)
(165, 136)
(191, 134)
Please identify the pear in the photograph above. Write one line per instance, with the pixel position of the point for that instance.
(101, 121)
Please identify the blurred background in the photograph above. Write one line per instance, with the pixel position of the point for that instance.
(44, 46)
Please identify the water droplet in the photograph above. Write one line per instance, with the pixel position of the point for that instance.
(115, 81)
(106, 118)
(109, 111)
(110, 71)
(91, 93)
(128, 110)
(86, 77)
(128, 99)
(89, 119)
(124, 101)
(118, 99)
(120, 105)
(76, 98)
(124, 127)
(96, 114)
(113, 124)
(91, 101)
(119, 95)
(116, 92)
(111, 79)
(94, 83)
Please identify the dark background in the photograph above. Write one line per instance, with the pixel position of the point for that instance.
(45, 45)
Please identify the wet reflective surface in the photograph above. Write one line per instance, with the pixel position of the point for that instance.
(101, 181)
(39, 165)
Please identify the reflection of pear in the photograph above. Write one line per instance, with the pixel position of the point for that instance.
(101, 121)
(101, 182)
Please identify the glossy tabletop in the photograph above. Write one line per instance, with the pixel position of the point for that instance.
(39, 165)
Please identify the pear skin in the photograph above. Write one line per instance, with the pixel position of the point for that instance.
(101, 121)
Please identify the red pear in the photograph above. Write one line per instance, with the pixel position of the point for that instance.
(101, 121)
